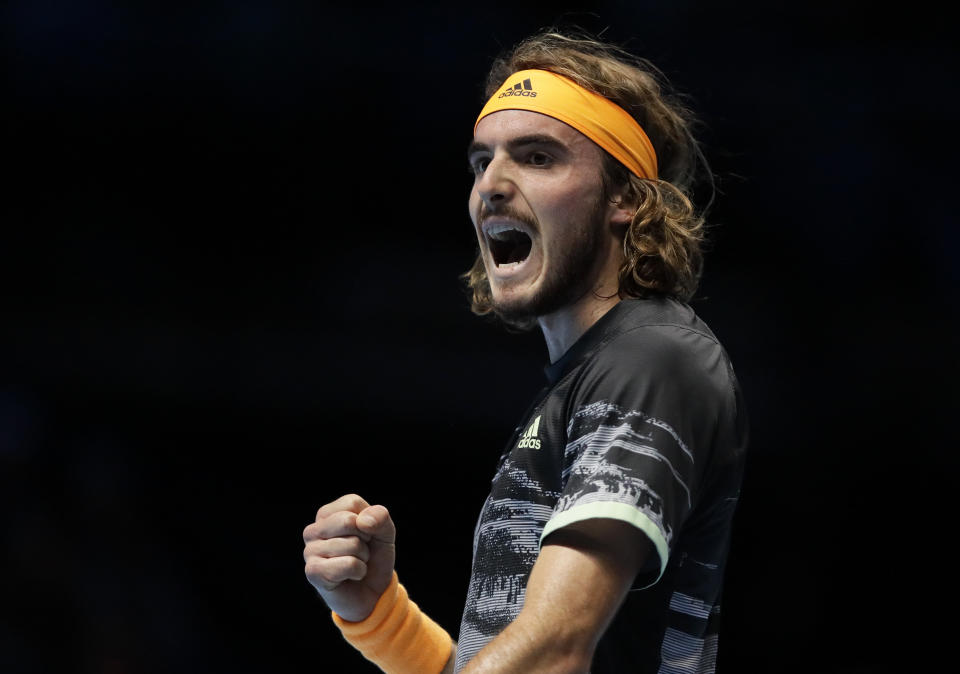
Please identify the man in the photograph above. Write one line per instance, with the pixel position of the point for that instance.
(603, 542)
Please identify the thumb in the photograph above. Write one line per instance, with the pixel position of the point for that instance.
(376, 522)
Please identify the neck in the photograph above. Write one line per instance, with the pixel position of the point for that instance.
(563, 328)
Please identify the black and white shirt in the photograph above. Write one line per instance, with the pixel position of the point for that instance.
(642, 421)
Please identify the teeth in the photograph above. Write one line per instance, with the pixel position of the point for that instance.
(497, 231)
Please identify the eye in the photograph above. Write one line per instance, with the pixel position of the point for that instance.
(478, 165)
(540, 158)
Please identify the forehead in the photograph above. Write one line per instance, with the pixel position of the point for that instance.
(504, 125)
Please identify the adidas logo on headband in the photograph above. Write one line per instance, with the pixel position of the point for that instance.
(523, 88)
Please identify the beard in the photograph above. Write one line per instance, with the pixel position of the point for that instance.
(568, 277)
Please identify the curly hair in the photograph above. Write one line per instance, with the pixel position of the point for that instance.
(663, 245)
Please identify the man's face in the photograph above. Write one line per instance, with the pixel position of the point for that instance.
(538, 208)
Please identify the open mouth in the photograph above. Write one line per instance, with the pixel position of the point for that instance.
(508, 244)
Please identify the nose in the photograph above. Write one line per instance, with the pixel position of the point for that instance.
(495, 187)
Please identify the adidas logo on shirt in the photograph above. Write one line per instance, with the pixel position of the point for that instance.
(529, 438)
(523, 88)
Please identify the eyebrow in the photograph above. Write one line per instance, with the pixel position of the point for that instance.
(516, 143)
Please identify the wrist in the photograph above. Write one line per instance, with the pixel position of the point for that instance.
(381, 610)
(397, 636)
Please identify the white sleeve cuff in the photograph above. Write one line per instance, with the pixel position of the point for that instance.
(615, 511)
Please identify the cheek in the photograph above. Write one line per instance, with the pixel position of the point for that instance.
(473, 205)
(570, 207)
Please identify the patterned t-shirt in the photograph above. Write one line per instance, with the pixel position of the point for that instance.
(642, 421)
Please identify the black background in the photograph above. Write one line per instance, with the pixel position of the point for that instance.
(231, 239)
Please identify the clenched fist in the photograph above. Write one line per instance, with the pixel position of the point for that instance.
(349, 552)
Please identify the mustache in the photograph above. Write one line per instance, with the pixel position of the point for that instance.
(507, 212)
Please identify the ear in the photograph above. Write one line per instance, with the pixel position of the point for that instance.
(620, 212)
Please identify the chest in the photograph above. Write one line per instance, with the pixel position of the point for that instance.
(529, 475)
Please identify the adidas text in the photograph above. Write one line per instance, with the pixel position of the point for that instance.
(514, 92)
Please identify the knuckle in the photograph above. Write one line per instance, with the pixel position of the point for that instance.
(313, 549)
(356, 502)
(329, 526)
(331, 571)
(353, 546)
(313, 568)
(353, 567)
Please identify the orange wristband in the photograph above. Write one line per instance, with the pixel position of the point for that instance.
(398, 637)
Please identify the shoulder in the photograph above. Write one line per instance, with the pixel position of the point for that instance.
(665, 345)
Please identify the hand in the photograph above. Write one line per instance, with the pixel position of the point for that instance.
(349, 552)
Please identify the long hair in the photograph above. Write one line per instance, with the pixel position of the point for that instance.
(663, 245)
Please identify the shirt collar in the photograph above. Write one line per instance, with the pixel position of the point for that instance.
(588, 341)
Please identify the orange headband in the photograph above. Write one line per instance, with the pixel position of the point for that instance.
(599, 119)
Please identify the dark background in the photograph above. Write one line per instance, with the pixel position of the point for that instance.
(231, 240)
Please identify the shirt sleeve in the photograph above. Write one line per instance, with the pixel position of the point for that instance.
(640, 429)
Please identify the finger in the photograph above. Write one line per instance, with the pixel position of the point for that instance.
(349, 546)
(376, 522)
(342, 523)
(329, 573)
(349, 502)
